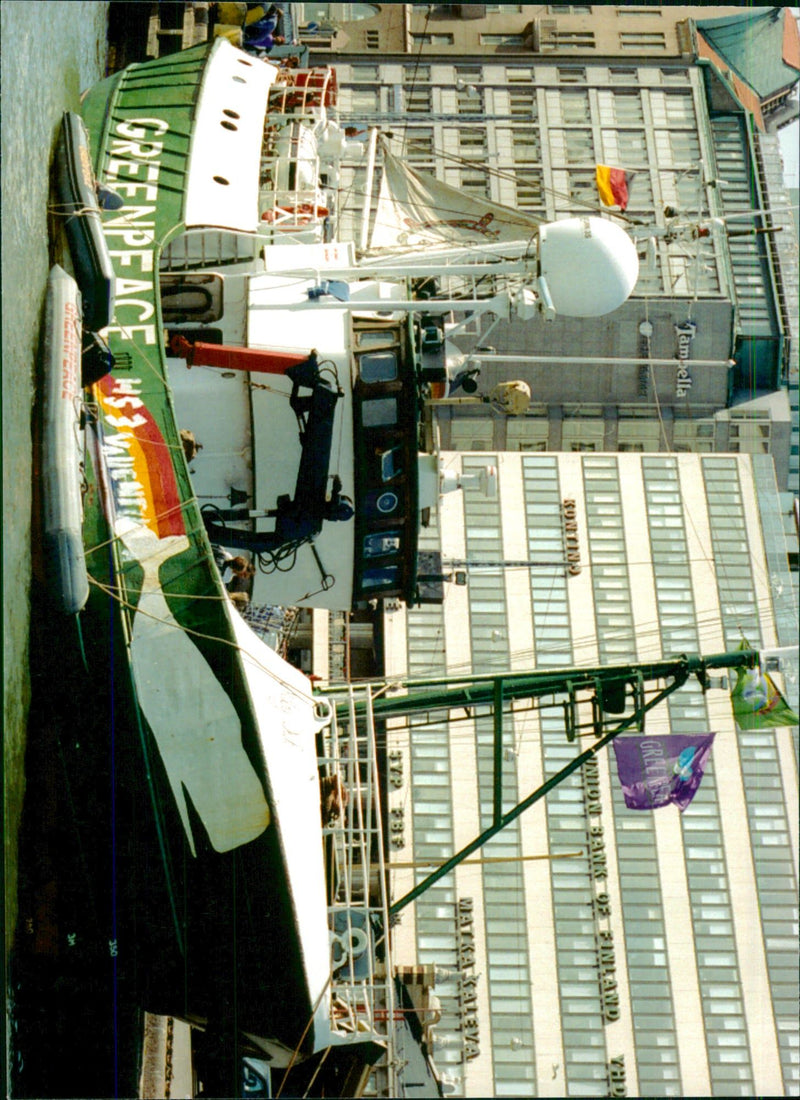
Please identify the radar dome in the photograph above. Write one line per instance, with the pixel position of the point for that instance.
(589, 265)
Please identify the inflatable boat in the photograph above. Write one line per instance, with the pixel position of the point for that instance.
(79, 205)
(62, 446)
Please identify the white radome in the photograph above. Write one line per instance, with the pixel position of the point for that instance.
(590, 265)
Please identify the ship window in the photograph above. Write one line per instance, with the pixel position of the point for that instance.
(191, 298)
(391, 463)
(377, 504)
(387, 576)
(376, 339)
(378, 367)
(380, 543)
(379, 412)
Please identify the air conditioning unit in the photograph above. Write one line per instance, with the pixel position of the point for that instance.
(545, 35)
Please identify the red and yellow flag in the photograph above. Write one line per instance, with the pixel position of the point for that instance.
(613, 185)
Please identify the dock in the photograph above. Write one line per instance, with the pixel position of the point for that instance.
(176, 26)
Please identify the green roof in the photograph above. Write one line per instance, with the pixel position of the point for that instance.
(752, 46)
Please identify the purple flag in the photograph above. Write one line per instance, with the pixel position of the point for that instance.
(656, 771)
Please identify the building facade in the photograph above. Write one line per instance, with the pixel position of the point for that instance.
(519, 103)
(594, 950)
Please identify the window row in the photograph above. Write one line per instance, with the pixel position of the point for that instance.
(420, 73)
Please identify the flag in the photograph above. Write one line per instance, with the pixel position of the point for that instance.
(657, 771)
(614, 185)
(757, 702)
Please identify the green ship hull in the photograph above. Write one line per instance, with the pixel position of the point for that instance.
(174, 681)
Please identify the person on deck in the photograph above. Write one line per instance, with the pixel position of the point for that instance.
(241, 569)
(262, 35)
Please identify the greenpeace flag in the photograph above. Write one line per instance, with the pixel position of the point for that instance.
(614, 185)
(657, 771)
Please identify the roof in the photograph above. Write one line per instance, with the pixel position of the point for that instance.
(737, 89)
(761, 46)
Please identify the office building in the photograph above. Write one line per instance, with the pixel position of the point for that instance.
(543, 93)
(648, 953)
(598, 950)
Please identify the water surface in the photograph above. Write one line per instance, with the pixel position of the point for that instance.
(51, 52)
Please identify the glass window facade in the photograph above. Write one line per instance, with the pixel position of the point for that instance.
(509, 982)
(625, 533)
(544, 128)
(432, 821)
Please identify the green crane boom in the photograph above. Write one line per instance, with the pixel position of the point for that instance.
(611, 686)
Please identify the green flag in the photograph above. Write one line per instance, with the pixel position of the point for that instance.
(757, 702)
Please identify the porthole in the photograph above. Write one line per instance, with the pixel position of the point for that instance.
(378, 504)
(231, 114)
(229, 125)
(240, 80)
(222, 180)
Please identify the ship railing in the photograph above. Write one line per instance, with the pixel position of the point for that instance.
(471, 287)
(202, 247)
(291, 195)
(362, 988)
(303, 91)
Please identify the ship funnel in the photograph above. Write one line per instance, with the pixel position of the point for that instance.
(589, 266)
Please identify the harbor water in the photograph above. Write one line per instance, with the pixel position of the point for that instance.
(51, 52)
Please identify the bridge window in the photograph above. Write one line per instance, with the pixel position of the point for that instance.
(391, 463)
(387, 576)
(380, 543)
(385, 339)
(378, 366)
(379, 412)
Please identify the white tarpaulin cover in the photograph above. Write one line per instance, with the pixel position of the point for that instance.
(416, 209)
